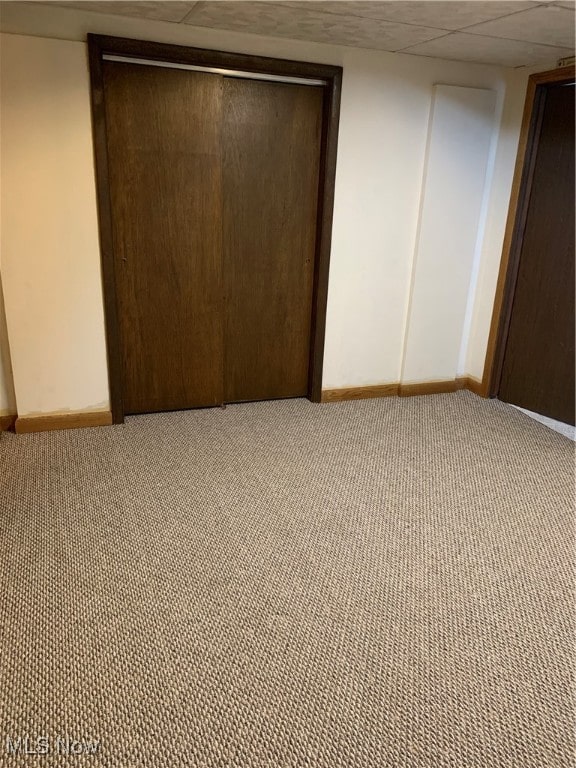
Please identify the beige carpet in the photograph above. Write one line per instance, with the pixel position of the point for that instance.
(372, 584)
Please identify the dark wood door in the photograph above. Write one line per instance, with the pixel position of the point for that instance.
(538, 368)
(271, 136)
(214, 195)
(163, 136)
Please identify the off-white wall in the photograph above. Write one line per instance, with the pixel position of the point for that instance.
(52, 268)
(455, 176)
(49, 236)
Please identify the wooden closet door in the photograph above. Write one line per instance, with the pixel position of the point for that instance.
(271, 135)
(538, 369)
(163, 128)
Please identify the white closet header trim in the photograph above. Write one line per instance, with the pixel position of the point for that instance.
(215, 70)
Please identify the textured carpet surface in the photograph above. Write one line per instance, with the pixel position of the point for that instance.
(371, 584)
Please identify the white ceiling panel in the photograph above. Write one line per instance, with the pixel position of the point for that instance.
(265, 18)
(512, 33)
(441, 14)
(490, 50)
(162, 10)
(547, 24)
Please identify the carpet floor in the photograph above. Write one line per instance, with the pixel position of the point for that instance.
(371, 584)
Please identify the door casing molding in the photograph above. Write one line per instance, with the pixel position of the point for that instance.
(98, 45)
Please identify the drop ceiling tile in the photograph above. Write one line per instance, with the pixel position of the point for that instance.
(547, 24)
(266, 18)
(162, 10)
(461, 46)
(441, 14)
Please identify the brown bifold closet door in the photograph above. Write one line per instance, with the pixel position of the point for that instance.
(164, 158)
(538, 370)
(271, 135)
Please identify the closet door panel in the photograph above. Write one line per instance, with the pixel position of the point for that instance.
(271, 136)
(163, 128)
